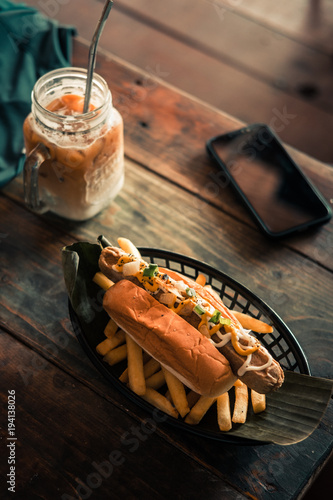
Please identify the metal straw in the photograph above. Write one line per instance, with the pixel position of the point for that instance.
(92, 53)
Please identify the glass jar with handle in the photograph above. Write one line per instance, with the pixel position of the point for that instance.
(75, 162)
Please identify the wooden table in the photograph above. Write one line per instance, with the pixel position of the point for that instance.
(69, 419)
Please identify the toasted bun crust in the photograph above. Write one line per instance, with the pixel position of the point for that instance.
(169, 339)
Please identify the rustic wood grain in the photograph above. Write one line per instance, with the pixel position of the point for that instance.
(233, 59)
(228, 86)
(69, 433)
(167, 132)
(30, 316)
(68, 414)
(308, 22)
(242, 40)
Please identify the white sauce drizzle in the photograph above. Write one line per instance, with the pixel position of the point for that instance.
(246, 365)
(226, 337)
(244, 334)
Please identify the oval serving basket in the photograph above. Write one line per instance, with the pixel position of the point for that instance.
(281, 343)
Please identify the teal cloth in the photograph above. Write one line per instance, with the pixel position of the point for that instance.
(30, 46)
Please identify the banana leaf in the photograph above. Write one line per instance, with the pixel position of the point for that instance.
(292, 414)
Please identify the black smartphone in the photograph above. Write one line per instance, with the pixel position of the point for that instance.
(273, 187)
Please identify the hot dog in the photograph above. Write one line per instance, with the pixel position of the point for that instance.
(177, 345)
(197, 309)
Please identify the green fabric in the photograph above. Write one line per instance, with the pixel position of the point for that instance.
(30, 46)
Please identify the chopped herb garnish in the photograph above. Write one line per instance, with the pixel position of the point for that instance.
(225, 321)
(151, 270)
(199, 310)
(190, 292)
(217, 318)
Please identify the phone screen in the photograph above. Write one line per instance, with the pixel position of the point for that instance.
(271, 184)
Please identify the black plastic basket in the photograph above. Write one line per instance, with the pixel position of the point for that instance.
(281, 344)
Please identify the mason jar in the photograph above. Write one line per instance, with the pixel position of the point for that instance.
(74, 162)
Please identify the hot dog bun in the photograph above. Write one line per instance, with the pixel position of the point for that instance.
(168, 338)
(259, 370)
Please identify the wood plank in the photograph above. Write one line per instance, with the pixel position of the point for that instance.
(155, 138)
(278, 466)
(298, 289)
(252, 479)
(168, 118)
(256, 48)
(224, 85)
(228, 87)
(321, 484)
(308, 22)
(77, 443)
(39, 325)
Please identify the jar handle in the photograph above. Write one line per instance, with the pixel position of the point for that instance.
(30, 177)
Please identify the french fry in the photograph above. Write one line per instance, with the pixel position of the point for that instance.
(258, 401)
(192, 398)
(118, 339)
(101, 280)
(149, 368)
(249, 323)
(156, 381)
(146, 357)
(136, 378)
(110, 329)
(241, 403)
(103, 347)
(124, 376)
(111, 343)
(223, 412)
(201, 279)
(177, 392)
(199, 410)
(159, 401)
(128, 247)
(168, 395)
(116, 355)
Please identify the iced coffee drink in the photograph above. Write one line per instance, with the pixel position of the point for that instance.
(79, 157)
